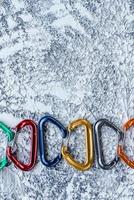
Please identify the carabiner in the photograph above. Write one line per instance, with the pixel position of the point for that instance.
(33, 152)
(120, 150)
(98, 143)
(89, 146)
(6, 130)
(42, 146)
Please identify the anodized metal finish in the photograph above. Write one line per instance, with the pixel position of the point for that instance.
(120, 151)
(98, 143)
(42, 145)
(33, 153)
(89, 146)
(10, 134)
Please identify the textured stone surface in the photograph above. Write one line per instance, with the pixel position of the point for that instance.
(71, 58)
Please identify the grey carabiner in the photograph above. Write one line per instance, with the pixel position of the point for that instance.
(98, 143)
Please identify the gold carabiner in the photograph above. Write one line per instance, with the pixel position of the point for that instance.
(89, 146)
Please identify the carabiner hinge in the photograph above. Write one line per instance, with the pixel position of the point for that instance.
(67, 148)
(121, 141)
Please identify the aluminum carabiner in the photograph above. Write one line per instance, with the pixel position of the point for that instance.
(10, 134)
(120, 150)
(89, 146)
(42, 146)
(98, 143)
(33, 152)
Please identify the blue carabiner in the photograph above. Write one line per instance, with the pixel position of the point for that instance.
(42, 145)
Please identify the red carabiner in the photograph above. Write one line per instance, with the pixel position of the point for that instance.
(33, 153)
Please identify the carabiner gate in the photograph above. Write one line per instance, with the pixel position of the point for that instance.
(89, 146)
(10, 134)
(120, 150)
(33, 152)
(98, 143)
(42, 146)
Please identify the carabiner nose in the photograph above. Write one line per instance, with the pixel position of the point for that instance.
(98, 143)
(42, 146)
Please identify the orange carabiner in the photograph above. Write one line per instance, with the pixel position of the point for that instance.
(120, 151)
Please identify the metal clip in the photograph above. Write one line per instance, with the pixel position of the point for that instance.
(98, 144)
(42, 146)
(121, 153)
(6, 130)
(89, 146)
(33, 154)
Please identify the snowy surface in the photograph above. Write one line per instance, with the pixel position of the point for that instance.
(72, 59)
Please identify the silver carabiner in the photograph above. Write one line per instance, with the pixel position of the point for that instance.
(98, 143)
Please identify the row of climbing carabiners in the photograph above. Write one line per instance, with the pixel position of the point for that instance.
(93, 144)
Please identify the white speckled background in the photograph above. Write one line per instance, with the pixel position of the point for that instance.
(71, 58)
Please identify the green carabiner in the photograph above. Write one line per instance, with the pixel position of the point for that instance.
(10, 134)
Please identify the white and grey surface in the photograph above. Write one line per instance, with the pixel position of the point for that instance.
(71, 58)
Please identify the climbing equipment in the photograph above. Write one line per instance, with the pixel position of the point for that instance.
(92, 143)
(89, 146)
(33, 153)
(9, 133)
(98, 143)
(42, 126)
(120, 150)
